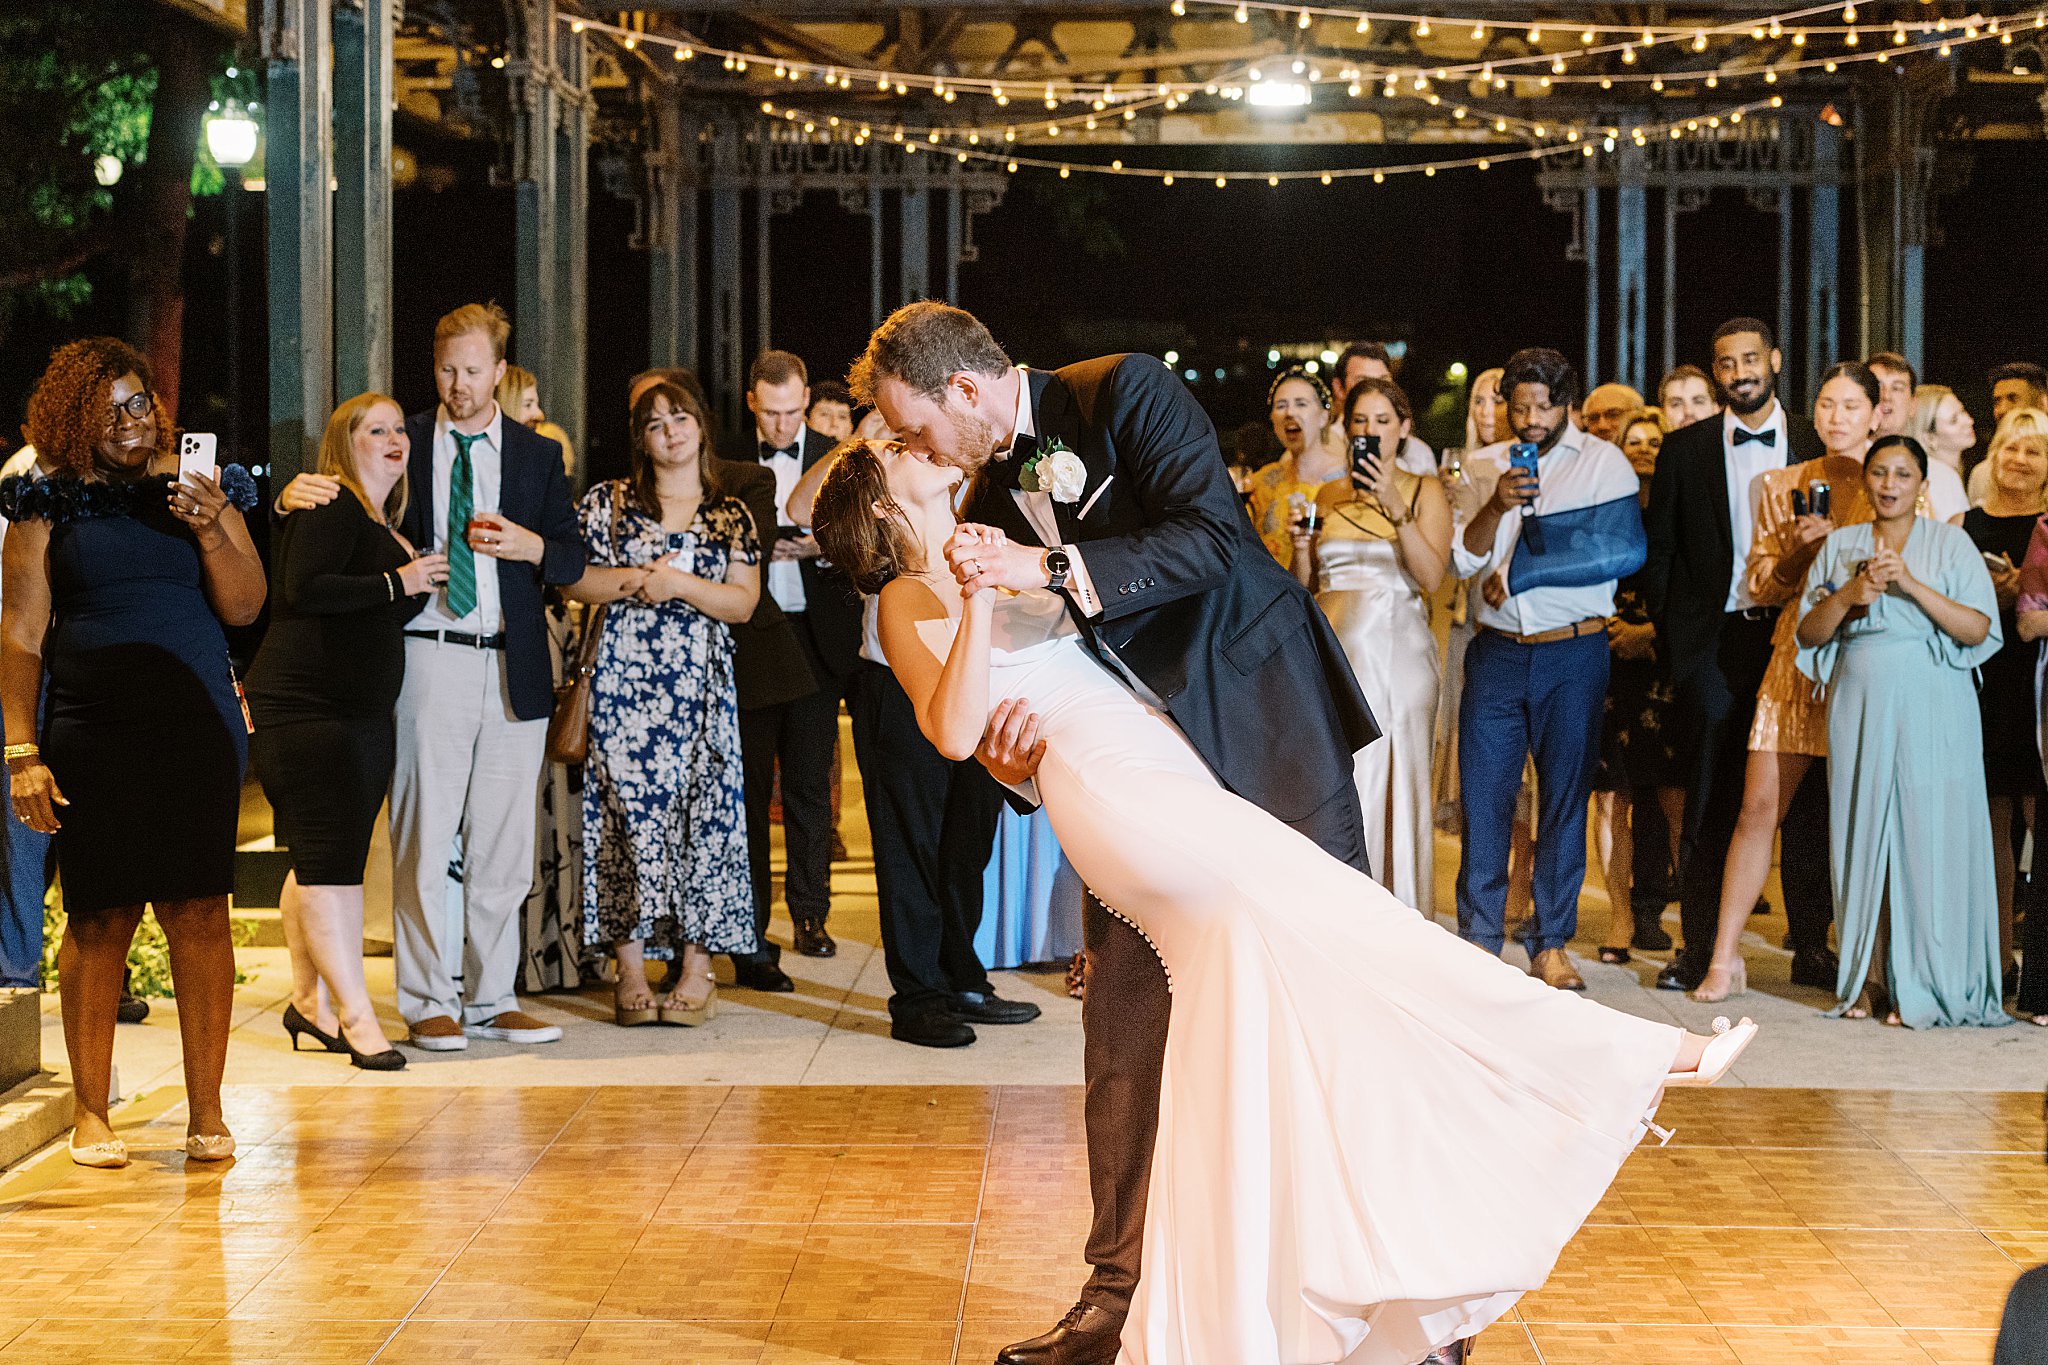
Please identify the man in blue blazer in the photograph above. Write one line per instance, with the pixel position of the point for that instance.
(473, 713)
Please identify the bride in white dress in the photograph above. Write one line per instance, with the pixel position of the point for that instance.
(1373, 1136)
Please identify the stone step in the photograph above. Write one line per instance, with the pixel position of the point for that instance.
(21, 1035)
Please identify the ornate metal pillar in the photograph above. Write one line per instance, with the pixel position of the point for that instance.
(535, 194)
(362, 200)
(953, 244)
(1823, 255)
(1894, 192)
(875, 308)
(298, 169)
(1589, 244)
(1631, 272)
(764, 210)
(916, 243)
(1677, 200)
(727, 380)
(566, 401)
(671, 235)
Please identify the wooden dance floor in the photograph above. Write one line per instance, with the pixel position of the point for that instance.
(704, 1225)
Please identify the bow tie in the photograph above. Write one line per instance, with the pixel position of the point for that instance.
(769, 452)
(1769, 436)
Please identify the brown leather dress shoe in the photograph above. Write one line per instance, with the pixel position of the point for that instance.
(811, 940)
(1087, 1335)
(1554, 965)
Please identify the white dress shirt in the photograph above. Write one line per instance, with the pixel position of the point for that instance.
(1746, 463)
(1581, 470)
(486, 474)
(1037, 508)
(785, 576)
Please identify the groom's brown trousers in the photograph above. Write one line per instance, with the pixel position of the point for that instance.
(1123, 1029)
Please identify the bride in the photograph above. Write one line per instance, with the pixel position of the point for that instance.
(1346, 1082)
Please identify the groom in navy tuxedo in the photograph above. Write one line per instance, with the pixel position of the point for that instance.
(1106, 479)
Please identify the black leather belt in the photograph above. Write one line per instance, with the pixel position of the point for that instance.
(457, 637)
(1757, 613)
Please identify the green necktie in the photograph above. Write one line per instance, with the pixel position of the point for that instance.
(461, 500)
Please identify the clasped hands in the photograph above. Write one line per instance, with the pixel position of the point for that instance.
(1880, 573)
(982, 558)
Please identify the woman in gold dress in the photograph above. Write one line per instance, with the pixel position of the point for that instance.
(1280, 494)
(1791, 726)
(1382, 550)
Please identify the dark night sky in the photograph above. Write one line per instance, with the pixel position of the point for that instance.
(1465, 266)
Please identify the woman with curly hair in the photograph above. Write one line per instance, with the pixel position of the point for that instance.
(117, 579)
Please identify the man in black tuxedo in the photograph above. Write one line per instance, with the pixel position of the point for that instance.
(1715, 640)
(823, 613)
(1136, 522)
(769, 672)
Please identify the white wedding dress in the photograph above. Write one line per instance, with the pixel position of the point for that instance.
(1374, 1137)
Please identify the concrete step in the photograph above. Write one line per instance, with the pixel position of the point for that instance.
(33, 1113)
(21, 1036)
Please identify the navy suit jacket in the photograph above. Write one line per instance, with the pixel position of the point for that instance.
(1193, 604)
(534, 493)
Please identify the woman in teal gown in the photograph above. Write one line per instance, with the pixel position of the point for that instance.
(1901, 612)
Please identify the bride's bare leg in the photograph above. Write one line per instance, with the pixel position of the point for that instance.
(1690, 1048)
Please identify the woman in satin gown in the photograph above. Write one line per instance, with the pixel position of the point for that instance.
(1344, 1079)
(1382, 549)
(1900, 611)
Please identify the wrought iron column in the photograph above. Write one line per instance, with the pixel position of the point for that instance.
(763, 284)
(916, 244)
(1785, 285)
(535, 168)
(671, 236)
(1631, 272)
(1894, 190)
(1589, 225)
(953, 243)
(1823, 256)
(875, 307)
(296, 45)
(363, 76)
(728, 367)
(566, 402)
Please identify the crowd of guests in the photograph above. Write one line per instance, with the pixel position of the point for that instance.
(1696, 623)
(1700, 622)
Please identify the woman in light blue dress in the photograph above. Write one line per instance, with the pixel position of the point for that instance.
(1031, 898)
(1901, 613)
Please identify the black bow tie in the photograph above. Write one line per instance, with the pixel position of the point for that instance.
(769, 452)
(1769, 436)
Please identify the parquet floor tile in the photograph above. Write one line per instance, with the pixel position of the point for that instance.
(932, 1225)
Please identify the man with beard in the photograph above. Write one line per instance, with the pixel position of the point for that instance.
(1536, 671)
(1716, 642)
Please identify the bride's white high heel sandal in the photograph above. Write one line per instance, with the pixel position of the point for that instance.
(1719, 1054)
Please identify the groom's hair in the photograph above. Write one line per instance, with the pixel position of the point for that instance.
(923, 345)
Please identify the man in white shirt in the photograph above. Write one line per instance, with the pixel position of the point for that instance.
(1369, 360)
(1536, 671)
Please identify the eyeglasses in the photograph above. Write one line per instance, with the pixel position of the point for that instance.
(138, 406)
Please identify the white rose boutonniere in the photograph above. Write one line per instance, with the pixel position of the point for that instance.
(1055, 470)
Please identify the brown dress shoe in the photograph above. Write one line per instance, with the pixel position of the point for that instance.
(811, 940)
(1087, 1335)
(515, 1026)
(1555, 967)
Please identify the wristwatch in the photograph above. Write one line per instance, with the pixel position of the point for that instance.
(1057, 567)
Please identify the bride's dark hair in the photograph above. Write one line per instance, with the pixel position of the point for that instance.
(871, 548)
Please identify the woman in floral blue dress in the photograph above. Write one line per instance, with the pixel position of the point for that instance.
(665, 846)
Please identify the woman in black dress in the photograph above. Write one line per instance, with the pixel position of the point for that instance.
(118, 577)
(2001, 529)
(322, 691)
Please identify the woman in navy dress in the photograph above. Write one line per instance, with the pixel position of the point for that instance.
(118, 578)
(665, 870)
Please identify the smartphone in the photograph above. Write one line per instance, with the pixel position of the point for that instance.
(1365, 461)
(1798, 502)
(198, 453)
(1522, 456)
(1820, 499)
(1997, 563)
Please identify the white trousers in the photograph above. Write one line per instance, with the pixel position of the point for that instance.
(467, 767)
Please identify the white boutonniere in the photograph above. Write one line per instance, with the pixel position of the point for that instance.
(1055, 470)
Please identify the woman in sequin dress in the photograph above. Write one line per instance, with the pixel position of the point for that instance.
(1791, 726)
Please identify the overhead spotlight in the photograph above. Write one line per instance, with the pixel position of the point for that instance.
(1279, 94)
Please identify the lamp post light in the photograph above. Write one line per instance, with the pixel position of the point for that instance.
(231, 136)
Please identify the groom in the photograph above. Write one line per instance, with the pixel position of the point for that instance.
(1106, 479)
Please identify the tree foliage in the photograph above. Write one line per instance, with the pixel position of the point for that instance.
(68, 96)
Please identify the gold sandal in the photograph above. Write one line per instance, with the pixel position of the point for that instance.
(634, 1016)
(671, 1010)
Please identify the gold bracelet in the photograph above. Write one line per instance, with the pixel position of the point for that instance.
(14, 751)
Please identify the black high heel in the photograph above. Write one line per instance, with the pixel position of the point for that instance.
(298, 1025)
(390, 1059)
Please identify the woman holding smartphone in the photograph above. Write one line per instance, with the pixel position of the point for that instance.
(1383, 547)
(665, 871)
(1901, 611)
(2001, 529)
(1796, 508)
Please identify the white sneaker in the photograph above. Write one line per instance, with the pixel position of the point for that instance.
(515, 1027)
